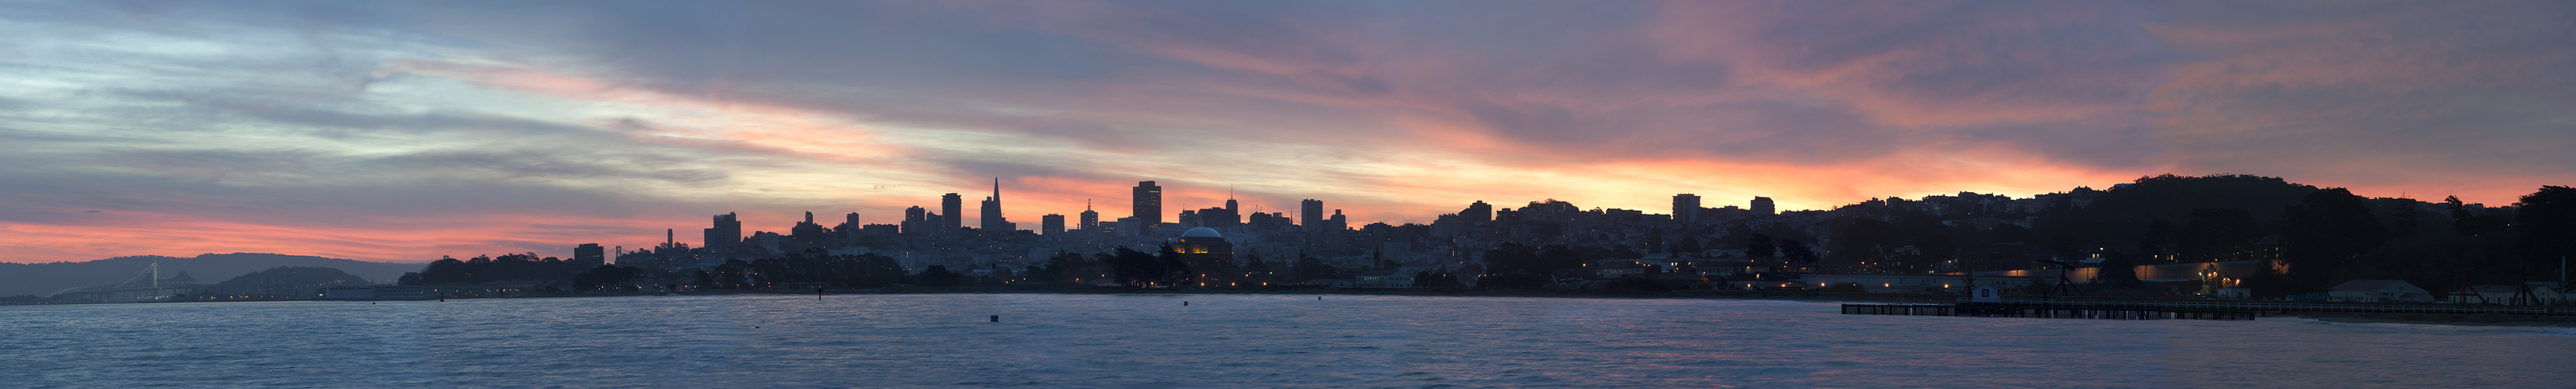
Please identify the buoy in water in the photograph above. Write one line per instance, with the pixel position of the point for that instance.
(1185, 303)
(997, 318)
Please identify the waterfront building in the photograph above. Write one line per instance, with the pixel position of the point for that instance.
(1207, 252)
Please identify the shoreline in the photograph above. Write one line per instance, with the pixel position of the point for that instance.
(2482, 320)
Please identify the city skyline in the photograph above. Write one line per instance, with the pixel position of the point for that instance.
(402, 131)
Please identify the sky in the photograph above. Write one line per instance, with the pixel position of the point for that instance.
(405, 131)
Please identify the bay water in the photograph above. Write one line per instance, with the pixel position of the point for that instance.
(1128, 341)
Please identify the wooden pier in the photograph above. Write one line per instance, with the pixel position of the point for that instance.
(2053, 310)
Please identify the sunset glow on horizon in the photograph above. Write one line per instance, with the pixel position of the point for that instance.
(403, 132)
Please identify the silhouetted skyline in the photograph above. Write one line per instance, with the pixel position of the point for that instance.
(393, 130)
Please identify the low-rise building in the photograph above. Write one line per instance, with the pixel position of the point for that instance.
(1913, 283)
(1384, 279)
(2378, 291)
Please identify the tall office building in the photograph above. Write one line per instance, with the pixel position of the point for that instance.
(1310, 213)
(1686, 208)
(1232, 209)
(993, 221)
(589, 255)
(953, 211)
(1090, 218)
(1051, 224)
(849, 228)
(1148, 210)
(1762, 206)
(726, 233)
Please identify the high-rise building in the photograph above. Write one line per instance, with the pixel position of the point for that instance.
(1148, 210)
(917, 220)
(1310, 213)
(1051, 224)
(589, 255)
(1231, 210)
(1686, 208)
(807, 231)
(726, 233)
(1762, 206)
(1090, 218)
(1478, 212)
(952, 209)
(993, 221)
(1337, 222)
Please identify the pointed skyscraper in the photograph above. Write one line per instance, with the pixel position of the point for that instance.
(993, 221)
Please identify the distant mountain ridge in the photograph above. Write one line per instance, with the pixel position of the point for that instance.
(45, 278)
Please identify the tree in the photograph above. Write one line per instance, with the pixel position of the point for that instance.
(1141, 269)
(1511, 265)
(2216, 234)
(1760, 247)
(1176, 270)
(2324, 231)
(2471, 222)
(447, 271)
(1686, 247)
(1309, 268)
(2404, 222)
(938, 276)
(2547, 223)
(1793, 251)
(606, 277)
(2118, 272)
(1559, 257)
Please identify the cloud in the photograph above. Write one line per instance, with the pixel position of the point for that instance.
(2426, 99)
(398, 131)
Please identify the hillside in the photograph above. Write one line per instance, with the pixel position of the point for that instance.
(284, 281)
(46, 278)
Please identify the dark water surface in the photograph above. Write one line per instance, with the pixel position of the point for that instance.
(1049, 340)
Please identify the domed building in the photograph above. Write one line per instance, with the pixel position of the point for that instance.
(1208, 254)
